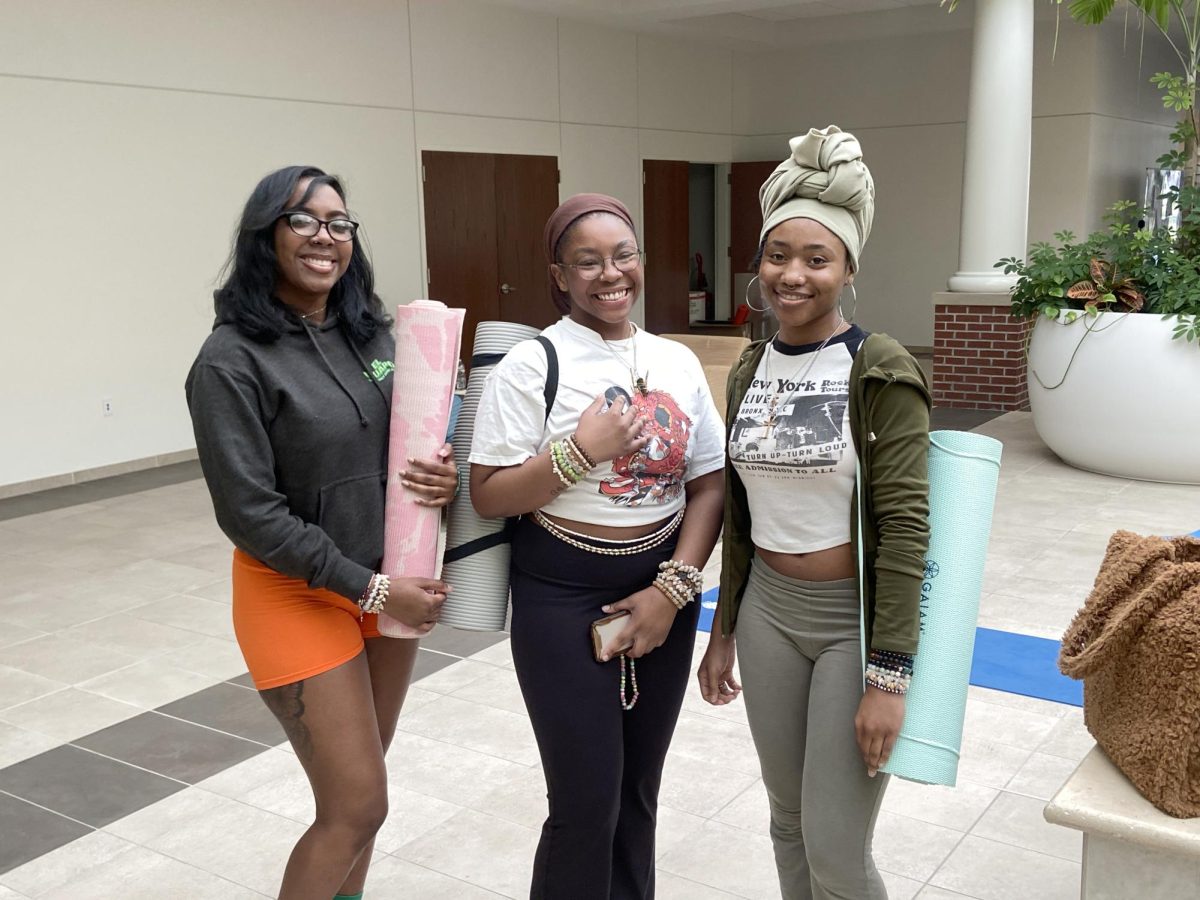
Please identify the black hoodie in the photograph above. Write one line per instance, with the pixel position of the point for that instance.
(293, 440)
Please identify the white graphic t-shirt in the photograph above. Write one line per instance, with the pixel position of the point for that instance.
(792, 448)
(687, 439)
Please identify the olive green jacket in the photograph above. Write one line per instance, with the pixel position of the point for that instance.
(889, 423)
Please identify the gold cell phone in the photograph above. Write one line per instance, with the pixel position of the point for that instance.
(605, 630)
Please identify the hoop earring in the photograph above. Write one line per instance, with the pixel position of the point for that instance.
(748, 303)
(853, 309)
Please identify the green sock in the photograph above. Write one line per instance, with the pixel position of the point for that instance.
(357, 896)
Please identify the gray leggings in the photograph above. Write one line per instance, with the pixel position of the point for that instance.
(799, 657)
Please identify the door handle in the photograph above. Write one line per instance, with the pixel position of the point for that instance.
(506, 288)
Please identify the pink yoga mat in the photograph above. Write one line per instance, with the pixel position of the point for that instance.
(428, 338)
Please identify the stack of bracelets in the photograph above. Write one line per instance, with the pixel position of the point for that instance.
(679, 581)
(890, 671)
(571, 462)
(374, 598)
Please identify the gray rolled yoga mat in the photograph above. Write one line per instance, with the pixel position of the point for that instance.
(477, 550)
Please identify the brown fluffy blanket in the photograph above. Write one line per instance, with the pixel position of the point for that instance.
(1136, 645)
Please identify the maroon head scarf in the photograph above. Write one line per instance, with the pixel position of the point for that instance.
(567, 214)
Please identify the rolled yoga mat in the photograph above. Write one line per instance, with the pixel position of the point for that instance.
(477, 550)
(964, 469)
(428, 339)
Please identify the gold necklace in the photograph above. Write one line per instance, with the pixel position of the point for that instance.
(637, 382)
(797, 376)
(315, 312)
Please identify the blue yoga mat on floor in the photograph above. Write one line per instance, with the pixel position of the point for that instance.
(1003, 661)
(1021, 664)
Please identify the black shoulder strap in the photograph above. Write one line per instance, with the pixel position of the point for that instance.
(551, 389)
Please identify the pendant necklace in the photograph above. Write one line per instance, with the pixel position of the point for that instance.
(637, 382)
(797, 377)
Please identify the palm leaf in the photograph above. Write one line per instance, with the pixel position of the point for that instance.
(1158, 10)
(1092, 12)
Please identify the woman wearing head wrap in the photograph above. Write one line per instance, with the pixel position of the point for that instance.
(810, 408)
(620, 492)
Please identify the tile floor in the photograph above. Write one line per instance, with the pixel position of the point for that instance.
(136, 761)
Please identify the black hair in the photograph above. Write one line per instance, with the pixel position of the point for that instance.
(758, 255)
(246, 298)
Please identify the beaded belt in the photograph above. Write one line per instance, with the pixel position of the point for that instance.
(616, 547)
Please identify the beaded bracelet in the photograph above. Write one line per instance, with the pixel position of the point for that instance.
(674, 590)
(374, 598)
(690, 574)
(892, 656)
(901, 663)
(569, 461)
(573, 443)
(887, 680)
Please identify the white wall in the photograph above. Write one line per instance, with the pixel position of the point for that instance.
(137, 128)
(134, 129)
(1096, 125)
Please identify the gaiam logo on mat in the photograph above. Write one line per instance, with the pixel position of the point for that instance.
(931, 572)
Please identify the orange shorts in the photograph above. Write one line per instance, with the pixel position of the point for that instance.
(289, 631)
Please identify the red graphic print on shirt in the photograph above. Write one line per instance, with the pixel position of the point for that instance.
(653, 474)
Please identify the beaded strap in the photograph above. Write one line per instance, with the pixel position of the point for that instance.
(627, 704)
(614, 547)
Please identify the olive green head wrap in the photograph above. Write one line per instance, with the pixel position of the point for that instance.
(826, 180)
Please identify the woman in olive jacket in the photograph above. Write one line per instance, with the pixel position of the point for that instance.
(818, 415)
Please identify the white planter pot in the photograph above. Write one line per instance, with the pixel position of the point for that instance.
(1129, 404)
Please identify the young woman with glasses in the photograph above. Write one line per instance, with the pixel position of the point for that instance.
(290, 398)
(619, 489)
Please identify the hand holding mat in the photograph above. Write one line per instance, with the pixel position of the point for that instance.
(428, 340)
(964, 469)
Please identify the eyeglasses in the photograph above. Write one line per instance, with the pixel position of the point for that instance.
(308, 226)
(625, 261)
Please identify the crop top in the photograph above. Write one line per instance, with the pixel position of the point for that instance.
(639, 489)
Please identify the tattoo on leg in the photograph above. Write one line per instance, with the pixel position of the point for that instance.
(287, 703)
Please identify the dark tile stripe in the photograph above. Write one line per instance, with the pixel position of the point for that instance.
(83, 786)
(30, 832)
(118, 770)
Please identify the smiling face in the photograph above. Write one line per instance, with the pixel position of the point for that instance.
(803, 270)
(605, 303)
(309, 267)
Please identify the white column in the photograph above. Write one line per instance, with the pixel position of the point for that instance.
(995, 208)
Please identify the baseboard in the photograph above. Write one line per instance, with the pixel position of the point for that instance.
(19, 488)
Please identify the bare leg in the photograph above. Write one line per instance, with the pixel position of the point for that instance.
(331, 723)
(391, 663)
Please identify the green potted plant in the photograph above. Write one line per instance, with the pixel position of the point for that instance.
(1114, 351)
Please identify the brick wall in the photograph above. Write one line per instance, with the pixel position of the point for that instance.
(978, 357)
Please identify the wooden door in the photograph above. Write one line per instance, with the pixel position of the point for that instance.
(745, 178)
(526, 196)
(665, 240)
(484, 215)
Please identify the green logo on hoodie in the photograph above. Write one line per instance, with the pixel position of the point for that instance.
(380, 369)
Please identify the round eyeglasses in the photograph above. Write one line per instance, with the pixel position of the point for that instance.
(590, 269)
(308, 226)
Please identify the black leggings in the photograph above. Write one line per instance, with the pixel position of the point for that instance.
(603, 765)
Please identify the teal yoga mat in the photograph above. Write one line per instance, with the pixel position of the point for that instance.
(963, 472)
